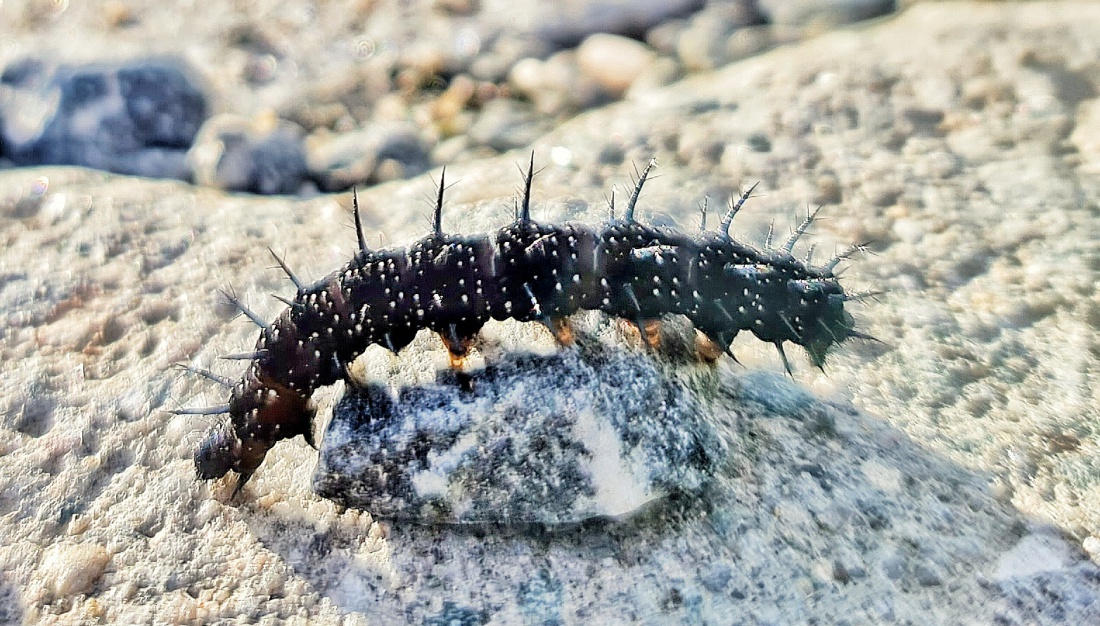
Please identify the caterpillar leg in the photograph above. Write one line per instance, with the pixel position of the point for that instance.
(649, 332)
(457, 361)
(706, 350)
(458, 345)
(308, 436)
(239, 487)
(710, 347)
(561, 329)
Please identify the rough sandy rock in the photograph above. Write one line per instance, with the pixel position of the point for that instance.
(902, 487)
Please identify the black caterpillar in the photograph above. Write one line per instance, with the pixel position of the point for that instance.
(453, 284)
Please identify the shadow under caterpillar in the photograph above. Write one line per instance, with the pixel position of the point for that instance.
(527, 271)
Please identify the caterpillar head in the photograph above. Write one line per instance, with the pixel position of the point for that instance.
(218, 452)
(259, 420)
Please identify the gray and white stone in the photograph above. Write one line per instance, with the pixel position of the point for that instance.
(262, 155)
(555, 439)
(136, 117)
(365, 156)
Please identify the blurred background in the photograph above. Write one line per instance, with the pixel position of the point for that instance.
(299, 97)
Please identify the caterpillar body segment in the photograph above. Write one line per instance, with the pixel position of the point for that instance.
(530, 272)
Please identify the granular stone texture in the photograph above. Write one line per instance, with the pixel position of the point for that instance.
(550, 440)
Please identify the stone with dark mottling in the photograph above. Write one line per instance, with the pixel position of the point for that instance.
(552, 440)
(136, 117)
(264, 156)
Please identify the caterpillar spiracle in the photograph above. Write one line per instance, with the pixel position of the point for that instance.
(527, 271)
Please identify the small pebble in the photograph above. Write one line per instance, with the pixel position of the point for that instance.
(716, 578)
(909, 230)
(703, 44)
(70, 569)
(893, 566)
(614, 62)
(819, 13)
(881, 476)
(663, 71)
(505, 125)
(261, 155)
(1091, 545)
(927, 575)
(379, 152)
(1086, 135)
(1035, 553)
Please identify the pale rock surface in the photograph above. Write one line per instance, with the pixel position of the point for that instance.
(72, 569)
(612, 61)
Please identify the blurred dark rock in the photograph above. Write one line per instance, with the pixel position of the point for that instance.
(828, 13)
(566, 24)
(371, 155)
(264, 156)
(138, 117)
(581, 434)
(506, 124)
(713, 37)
